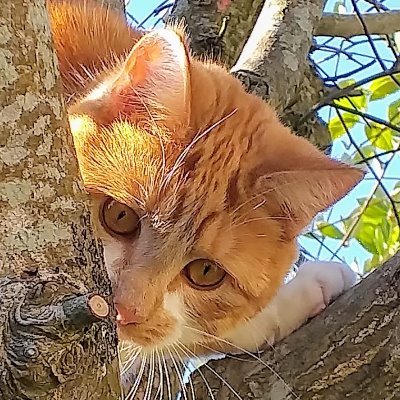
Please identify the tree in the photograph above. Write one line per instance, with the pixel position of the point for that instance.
(57, 340)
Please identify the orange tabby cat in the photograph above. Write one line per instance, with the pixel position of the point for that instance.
(199, 191)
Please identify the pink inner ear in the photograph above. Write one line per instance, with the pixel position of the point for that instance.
(154, 81)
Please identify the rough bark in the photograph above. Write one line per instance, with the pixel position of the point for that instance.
(218, 28)
(56, 340)
(343, 25)
(350, 351)
(116, 4)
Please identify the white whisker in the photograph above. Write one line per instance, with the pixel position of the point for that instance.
(249, 354)
(228, 385)
(160, 389)
(180, 159)
(184, 348)
(179, 375)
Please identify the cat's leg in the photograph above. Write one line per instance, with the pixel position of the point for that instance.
(306, 295)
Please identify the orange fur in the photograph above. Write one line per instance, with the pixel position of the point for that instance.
(209, 168)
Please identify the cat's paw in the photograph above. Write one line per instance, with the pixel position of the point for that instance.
(333, 279)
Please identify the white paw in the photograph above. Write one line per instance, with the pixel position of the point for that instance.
(332, 278)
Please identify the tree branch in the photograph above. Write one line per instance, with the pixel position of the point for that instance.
(218, 29)
(349, 351)
(384, 23)
(56, 340)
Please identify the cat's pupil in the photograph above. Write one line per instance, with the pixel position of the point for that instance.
(121, 215)
(206, 270)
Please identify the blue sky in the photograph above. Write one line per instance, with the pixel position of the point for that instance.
(361, 52)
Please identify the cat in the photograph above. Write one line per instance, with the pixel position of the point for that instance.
(198, 190)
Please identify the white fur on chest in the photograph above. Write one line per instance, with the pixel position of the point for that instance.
(306, 295)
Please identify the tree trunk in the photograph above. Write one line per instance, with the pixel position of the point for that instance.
(116, 4)
(57, 340)
(350, 351)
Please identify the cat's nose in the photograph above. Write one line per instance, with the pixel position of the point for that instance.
(126, 316)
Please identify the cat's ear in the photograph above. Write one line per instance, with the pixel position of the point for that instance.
(302, 183)
(153, 82)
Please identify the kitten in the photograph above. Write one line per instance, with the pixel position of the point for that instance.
(199, 191)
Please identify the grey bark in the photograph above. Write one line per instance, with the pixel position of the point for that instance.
(115, 4)
(344, 25)
(57, 340)
(350, 351)
(217, 31)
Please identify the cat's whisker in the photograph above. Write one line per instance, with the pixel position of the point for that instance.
(245, 352)
(135, 386)
(263, 193)
(184, 350)
(184, 364)
(266, 218)
(150, 376)
(167, 377)
(231, 356)
(131, 361)
(266, 340)
(180, 159)
(160, 389)
(178, 373)
(228, 385)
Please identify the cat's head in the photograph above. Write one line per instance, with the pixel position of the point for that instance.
(199, 193)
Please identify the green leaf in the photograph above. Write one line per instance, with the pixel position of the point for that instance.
(365, 236)
(375, 213)
(337, 129)
(371, 264)
(367, 151)
(394, 112)
(346, 82)
(380, 136)
(379, 240)
(382, 87)
(330, 230)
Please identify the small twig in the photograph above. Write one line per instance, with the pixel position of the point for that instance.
(366, 159)
(396, 128)
(339, 93)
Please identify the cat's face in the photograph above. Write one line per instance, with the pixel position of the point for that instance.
(198, 194)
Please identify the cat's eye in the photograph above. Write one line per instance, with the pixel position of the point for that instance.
(204, 274)
(119, 219)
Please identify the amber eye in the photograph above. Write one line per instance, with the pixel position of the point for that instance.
(204, 274)
(119, 219)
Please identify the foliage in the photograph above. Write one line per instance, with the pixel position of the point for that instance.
(364, 122)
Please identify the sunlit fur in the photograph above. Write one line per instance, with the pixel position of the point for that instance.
(209, 168)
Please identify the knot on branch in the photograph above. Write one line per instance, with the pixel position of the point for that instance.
(51, 328)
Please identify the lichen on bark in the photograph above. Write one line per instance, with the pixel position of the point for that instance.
(47, 252)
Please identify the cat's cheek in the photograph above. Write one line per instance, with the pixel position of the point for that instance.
(113, 253)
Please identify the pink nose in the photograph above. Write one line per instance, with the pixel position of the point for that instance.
(126, 316)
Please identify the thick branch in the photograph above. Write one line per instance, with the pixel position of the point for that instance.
(384, 23)
(278, 47)
(350, 351)
(116, 4)
(218, 28)
(56, 340)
